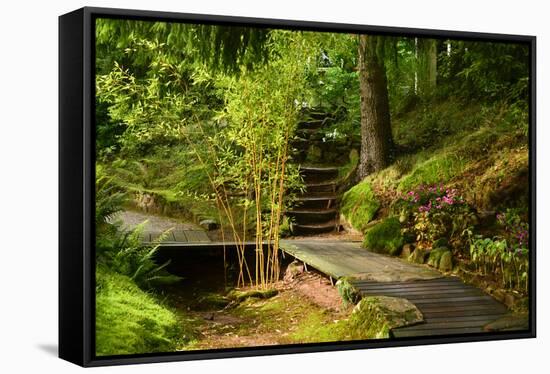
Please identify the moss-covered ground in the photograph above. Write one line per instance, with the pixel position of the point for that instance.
(130, 320)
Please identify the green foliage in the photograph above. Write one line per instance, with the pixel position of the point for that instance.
(359, 205)
(124, 253)
(109, 199)
(131, 321)
(436, 215)
(497, 256)
(507, 254)
(348, 292)
(486, 70)
(385, 237)
(437, 169)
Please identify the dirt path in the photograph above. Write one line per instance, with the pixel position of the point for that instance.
(306, 300)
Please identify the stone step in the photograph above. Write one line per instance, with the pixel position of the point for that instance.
(318, 201)
(323, 186)
(318, 169)
(315, 228)
(312, 124)
(306, 216)
(316, 174)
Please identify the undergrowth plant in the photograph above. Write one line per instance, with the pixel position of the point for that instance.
(506, 255)
(435, 212)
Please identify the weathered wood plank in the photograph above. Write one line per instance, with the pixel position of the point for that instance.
(429, 315)
(179, 236)
(196, 236)
(441, 282)
(339, 259)
(450, 325)
(427, 292)
(447, 318)
(443, 299)
(405, 333)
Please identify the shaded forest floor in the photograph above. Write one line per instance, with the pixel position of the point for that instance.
(300, 305)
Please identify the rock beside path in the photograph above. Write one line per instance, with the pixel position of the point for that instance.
(381, 314)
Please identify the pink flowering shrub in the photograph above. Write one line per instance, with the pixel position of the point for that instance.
(435, 212)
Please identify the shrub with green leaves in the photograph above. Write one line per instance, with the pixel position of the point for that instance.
(385, 237)
(359, 205)
(108, 197)
(507, 255)
(435, 212)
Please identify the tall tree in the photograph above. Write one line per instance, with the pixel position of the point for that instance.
(376, 134)
(426, 75)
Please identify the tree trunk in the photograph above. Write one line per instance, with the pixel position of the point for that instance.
(427, 66)
(376, 135)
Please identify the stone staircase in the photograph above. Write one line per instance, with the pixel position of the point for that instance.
(316, 209)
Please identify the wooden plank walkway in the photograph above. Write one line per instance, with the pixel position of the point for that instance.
(153, 226)
(448, 305)
(347, 259)
(177, 236)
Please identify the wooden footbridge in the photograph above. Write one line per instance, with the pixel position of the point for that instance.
(448, 305)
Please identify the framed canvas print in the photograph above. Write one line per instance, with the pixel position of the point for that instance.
(236, 186)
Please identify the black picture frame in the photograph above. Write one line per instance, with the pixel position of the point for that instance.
(76, 185)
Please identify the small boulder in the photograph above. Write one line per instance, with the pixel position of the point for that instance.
(407, 250)
(418, 256)
(314, 154)
(499, 295)
(208, 224)
(435, 256)
(378, 315)
(292, 270)
(446, 261)
(509, 300)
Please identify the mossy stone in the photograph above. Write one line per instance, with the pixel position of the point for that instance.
(293, 270)
(348, 292)
(407, 250)
(314, 154)
(239, 295)
(379, 314)
(418, 256)
(359, 205)
(385, 237)
(212, 301)
(435, 256)
(446, 261)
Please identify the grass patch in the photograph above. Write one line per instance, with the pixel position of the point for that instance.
(385, 237)
(131, 321)
(372, 318)
(359, 205)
